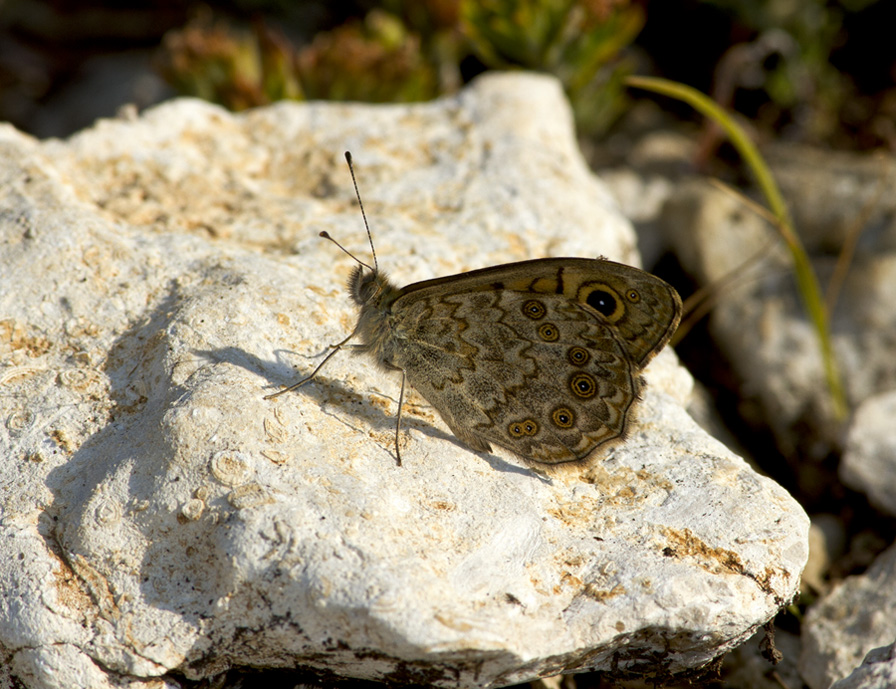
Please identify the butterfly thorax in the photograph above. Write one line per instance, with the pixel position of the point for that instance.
(374, 294)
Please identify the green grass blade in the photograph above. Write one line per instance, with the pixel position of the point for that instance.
(807, 282)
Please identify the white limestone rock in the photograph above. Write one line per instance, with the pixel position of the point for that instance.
(855, 618)
(869, 460)
(161, 275)
(877, 671)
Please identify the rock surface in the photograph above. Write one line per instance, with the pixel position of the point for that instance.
(869, 459)
(855, 618)
(158, 515)
(877, 671)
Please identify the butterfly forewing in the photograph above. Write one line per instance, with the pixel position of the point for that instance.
(642, 308)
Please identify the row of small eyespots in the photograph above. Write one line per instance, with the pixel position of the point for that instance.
(581, 384)
(562, 417)
(578, 356)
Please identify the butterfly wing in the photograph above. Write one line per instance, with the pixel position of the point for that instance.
(541, 357)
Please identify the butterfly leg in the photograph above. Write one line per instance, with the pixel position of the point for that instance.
(335, 347)
(398, 421)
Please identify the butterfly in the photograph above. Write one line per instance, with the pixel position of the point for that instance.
(540, 357)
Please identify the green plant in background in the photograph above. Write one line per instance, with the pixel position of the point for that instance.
(279, 80)
(238, 69)
(437, 24)
(377, 60)
(411, 50)
(578, 41)
(408, 50)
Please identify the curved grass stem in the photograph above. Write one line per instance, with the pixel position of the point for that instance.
(807, 282)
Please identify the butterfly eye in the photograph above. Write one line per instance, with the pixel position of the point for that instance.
(563, 417)
(583, 385)
(534, 309)
(549, 332)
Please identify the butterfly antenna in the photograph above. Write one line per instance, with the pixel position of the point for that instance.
(351, 169)
(326, 235)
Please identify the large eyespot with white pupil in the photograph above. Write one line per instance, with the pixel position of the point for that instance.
(563, 417)
(548, 332)
(605, 300)
(583, 386)
(578, 356)
(534, 309)
(519, 429)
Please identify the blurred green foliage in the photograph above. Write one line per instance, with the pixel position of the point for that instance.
(788, 57)
(210, 60)
(578, 41)
(777, 66)
(376, 60)
(409, 50)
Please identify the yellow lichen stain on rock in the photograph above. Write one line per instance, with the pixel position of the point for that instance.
(15, 337)
(683, 543)
(601, 594)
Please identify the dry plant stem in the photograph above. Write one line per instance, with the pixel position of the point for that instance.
(704, 299)
(761, 211)
(844, 260)
(807, 282)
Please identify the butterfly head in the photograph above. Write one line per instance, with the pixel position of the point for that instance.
(362, 285)
(371, 288)
(374, 295)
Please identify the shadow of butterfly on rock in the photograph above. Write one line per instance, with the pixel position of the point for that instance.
(540, 357)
